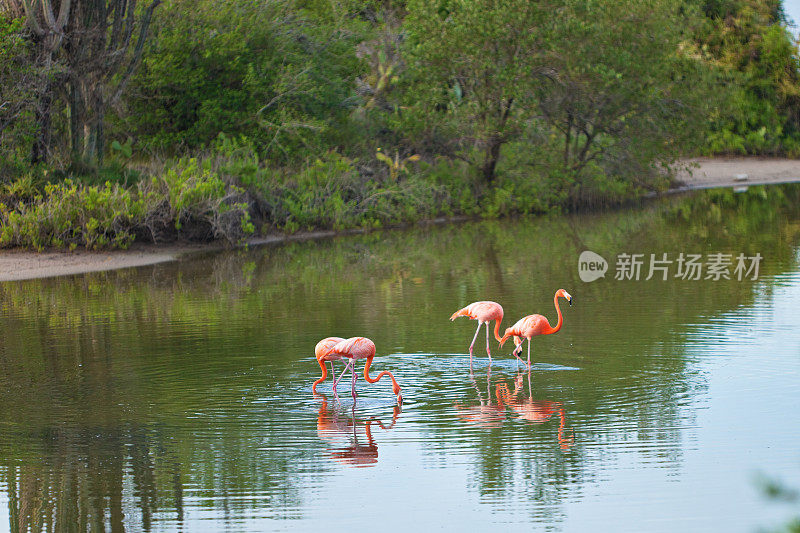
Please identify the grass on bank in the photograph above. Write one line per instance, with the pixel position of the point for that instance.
(230, 193)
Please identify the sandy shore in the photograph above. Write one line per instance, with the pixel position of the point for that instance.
(20, 264)
(709, 173)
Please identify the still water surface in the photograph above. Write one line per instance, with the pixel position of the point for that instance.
(178, 397)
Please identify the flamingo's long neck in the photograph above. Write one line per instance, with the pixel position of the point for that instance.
(497, 329)
(395, 414)
(368, 431)
(511, 332)
(324, 374)
(395, 386)
(549, 329)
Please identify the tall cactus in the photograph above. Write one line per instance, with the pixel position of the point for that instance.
(87, 51)
(48, 34)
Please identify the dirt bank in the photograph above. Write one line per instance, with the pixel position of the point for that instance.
(21, 264)
(708, 173)
(17, 265)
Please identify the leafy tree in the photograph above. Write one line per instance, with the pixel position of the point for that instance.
(18, 79)
(276, 72)
(748, 41)
(47, 26)
(610, 79)
(474, 64)
(625, 95)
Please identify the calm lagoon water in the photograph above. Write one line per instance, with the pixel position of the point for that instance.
(178, 397)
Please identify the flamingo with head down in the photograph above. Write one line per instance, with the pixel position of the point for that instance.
(533, 325)
(355, 349)
(483, 312)
(320, 352)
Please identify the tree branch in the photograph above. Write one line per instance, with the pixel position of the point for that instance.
(30, 17)
(47, 12)
(63, 14)
(137, 53)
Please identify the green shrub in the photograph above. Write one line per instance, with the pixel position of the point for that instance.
(190, 198)
(332, 192)
(278, 72)
(187, 200)
(70, 214)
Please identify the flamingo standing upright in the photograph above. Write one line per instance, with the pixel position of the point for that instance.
(532, 325)
(483, 312)
(353, 349)
(320, 352)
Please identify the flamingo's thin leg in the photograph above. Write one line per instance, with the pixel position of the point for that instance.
(473, 343)
(353, 369)
(341, 375)
(333, 377)
(475, 385)
(488, 386)
(514, 353)
(487, 345)
(530, 389)
(529, 354)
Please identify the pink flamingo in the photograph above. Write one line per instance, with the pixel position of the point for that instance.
(483, 312)
(320, 353)
(353, 349)
(532, 325)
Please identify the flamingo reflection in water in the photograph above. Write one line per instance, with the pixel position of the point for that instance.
(336, 432)
(535, 411)
(485, 414)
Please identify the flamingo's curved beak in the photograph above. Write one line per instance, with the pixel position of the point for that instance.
(570, 302)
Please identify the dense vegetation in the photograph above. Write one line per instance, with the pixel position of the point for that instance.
(205, 120)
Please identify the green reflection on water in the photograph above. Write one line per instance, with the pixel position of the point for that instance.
(187, 386)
